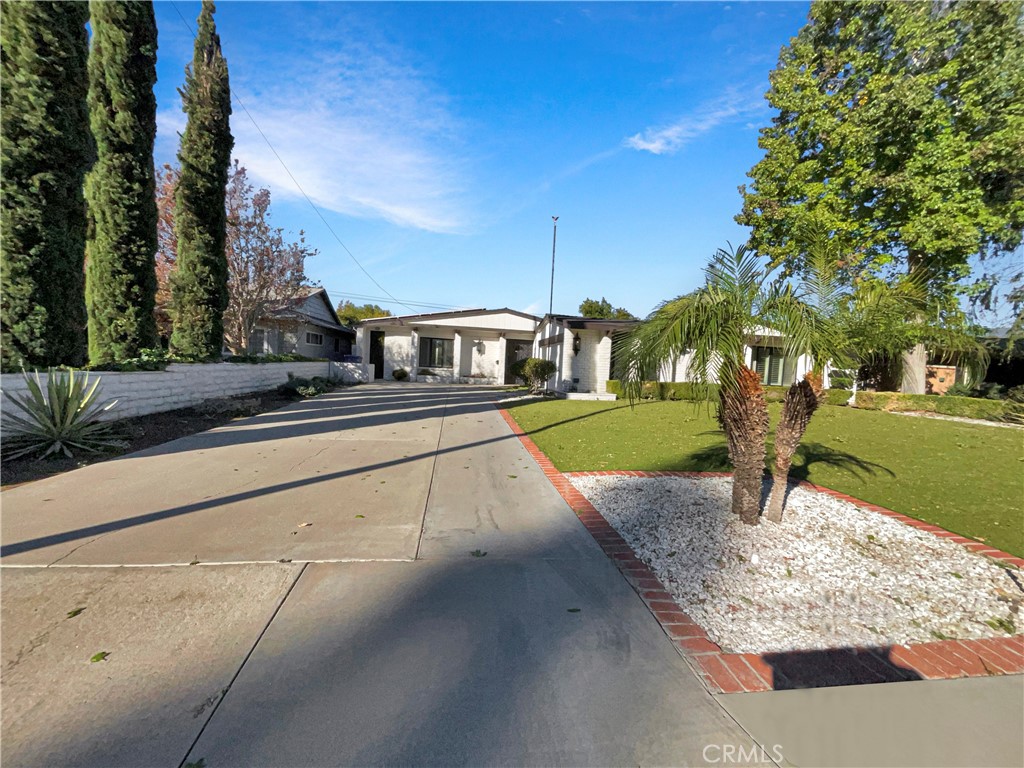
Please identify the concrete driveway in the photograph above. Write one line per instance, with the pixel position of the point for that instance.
(380, 575)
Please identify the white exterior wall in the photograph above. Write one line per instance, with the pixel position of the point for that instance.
(181, 385)
(481, 355)
(398, 352)
(551, 352)
(602, 363)
(793, 370)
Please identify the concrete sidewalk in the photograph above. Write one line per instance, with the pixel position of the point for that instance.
(535, 653)
(928, 723)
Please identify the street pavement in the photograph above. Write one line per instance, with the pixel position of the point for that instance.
(381, 575)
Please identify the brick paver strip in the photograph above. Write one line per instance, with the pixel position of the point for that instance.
(725, 672)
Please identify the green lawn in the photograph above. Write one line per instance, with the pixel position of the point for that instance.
(965, 478)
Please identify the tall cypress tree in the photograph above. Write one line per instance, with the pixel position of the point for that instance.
(200, 283)
(120, 189)
(46, 150)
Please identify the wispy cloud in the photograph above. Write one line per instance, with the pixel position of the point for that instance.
(363, 132)
(669, 139)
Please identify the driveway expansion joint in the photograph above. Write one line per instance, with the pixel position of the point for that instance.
(227, 689)
(726, 672)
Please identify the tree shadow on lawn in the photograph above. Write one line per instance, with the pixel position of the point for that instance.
(715, 458)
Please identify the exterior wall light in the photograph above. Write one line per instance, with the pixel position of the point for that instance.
(577, 343)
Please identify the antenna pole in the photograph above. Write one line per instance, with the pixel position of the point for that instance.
(554, 239)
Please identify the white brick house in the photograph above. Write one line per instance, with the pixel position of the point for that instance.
(480, 345)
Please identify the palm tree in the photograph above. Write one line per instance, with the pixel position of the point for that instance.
(713, 324)
(860, 324)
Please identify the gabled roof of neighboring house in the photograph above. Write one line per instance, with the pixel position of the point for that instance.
(298, 306)
(455, 313)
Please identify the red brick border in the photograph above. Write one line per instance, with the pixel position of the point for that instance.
(725, 672)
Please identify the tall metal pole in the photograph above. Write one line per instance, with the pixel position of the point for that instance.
(554, 239)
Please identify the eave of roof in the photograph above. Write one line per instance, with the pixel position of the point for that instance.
(455, 313)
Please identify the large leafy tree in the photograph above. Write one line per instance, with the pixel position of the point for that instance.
(603, 310)
(120, 279)
(714, 326)
(200, 284)
(350, 313)
(900, 128)
(46, 150)
(264, 268)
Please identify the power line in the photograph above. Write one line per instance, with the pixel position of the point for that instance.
(405, 303)
(295, 181)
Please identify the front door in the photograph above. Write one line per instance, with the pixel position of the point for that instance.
(515, 349)
(377, 353)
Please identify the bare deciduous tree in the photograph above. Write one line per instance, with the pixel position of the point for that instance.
(166, 244)
(264, 269)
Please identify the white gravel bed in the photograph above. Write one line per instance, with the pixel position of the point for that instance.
(830, 575)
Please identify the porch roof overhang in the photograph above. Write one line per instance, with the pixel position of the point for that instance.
(456, 314)
(592, 323)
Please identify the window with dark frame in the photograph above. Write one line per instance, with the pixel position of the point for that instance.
(769, 364)
(437, 353)
(257, 342)
(314, 339)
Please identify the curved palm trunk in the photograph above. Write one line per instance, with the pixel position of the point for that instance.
(802, 400)
(743, 414)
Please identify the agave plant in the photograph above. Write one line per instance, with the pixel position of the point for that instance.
(62, 419)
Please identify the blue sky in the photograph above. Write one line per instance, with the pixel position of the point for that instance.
(439, 139)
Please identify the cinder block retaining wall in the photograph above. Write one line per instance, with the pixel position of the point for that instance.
(183, 384)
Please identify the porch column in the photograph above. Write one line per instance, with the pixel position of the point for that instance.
(414, 356)
(499, 372)
(457, 356)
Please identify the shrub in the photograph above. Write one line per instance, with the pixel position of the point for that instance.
(62, 419)
(960, 390)
(837, 396)
(296, 386)
(534, 371)
(651, 390)
(425, 372)
(947, 405)
(400, 374)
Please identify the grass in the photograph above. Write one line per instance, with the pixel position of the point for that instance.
(963, 477)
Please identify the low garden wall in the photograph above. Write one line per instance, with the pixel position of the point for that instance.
(180, 385)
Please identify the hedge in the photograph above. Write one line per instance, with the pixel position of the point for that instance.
(684, 390)
(947, 405)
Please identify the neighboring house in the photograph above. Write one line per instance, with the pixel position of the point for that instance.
(306, 325)
(480, 345)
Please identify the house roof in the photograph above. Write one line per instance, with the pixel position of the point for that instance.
(426, 317)
(293, 307)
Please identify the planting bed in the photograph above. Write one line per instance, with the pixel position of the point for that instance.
(832, 574)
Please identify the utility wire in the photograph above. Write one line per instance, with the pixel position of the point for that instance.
(406, 303)
(295, 181)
